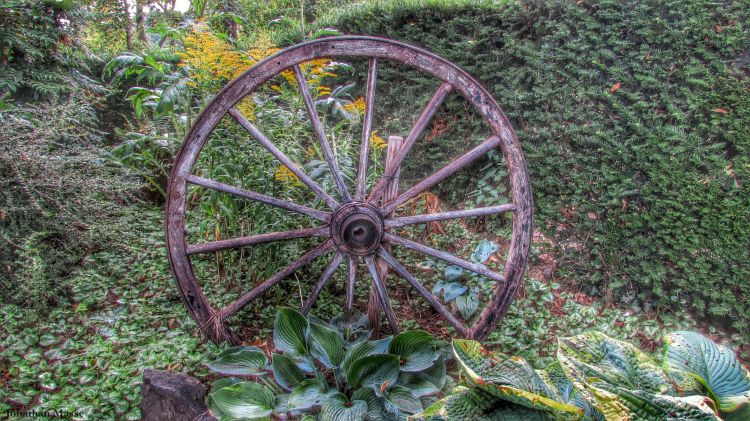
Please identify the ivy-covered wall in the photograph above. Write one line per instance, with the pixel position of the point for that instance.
(635, 118)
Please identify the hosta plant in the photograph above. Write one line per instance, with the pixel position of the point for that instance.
(329, 371)
(599, 378)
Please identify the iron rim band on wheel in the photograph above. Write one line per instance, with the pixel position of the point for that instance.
(355, 223)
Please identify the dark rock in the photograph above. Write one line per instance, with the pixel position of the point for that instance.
(172, 396)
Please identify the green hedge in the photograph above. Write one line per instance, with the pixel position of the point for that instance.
(645, 185)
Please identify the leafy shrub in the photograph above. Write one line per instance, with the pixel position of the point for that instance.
(631, 118)
(597, 377)
(331, 367)
(58, 201)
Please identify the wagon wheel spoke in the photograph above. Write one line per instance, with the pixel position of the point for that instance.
(434, 302)
(252, 240)
(412, 137)
(247, 194)
(276, 152)
(441, 216)
(364, 151)
(320, 132)
(443, 173)
(351, 279)
(382, 294)
(275, 279)
(335, 262)
(445, 256)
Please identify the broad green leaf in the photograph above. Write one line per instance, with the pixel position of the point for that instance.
(224, 382)
(307, 393)
(375, 403)
(373, 370)
(240, 361)
(450, 290)
(338, 408)
(285, 371)
(509, 378)
(353, 325)
(364, 349)
(290, 331)
(474, 405)
(467, 304)
(326, 345)
(715, 367)
(483, 251)
(244, 400)
(415, 350)
(402, 398)
(601, 358)
(452, 273)
(419, 385)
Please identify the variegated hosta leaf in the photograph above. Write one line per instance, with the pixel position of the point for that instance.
(338, 408)
(240, 361)
(307, 394)
(647, 406)
(243, 400)
(605, 402)
(564, 390)
(600, 357)
(715, 367)
(373, 370)
(285, 371)
(326, 345)
(509, 378)
(477, 405)
(415, 350)
(290, 332)
(400, 398)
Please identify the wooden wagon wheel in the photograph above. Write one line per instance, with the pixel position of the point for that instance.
(359, 225)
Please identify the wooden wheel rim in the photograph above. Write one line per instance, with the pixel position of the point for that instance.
(350, 46)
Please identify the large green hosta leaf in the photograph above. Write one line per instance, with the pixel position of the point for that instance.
(243, 400)
(364, 349)
(477, 405)
(286, 372)
(326, 345)
(415, 350)
(338, 408)
(290, 332)
(240, 361)
(426, 382)
(375, 403)
(600, 357)
(508, 378)
(715, 367)
(401, 398)
(307, 394)
(373, 370)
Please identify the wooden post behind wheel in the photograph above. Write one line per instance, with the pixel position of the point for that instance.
(391, 191)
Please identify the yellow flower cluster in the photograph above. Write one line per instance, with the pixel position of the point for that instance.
(377, 142)
(284, 175)
(358, 106)
(211, 57)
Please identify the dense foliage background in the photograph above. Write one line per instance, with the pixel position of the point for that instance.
(633, 117)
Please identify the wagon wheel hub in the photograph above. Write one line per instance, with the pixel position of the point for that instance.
(357, 228)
